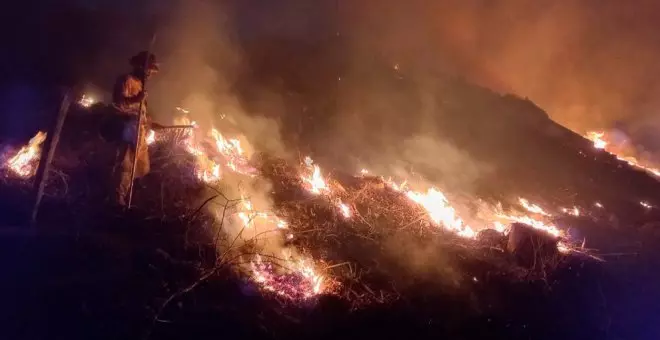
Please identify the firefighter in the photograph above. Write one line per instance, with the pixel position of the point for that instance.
(128, 98)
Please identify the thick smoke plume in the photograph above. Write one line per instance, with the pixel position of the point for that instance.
(200, 62)
(589, 64)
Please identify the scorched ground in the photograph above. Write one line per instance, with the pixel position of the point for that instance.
(325, 253)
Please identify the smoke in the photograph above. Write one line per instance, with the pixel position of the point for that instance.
(200, 63)
(391, 125)
(589, 64)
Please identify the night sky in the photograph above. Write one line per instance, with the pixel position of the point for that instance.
(588, 63)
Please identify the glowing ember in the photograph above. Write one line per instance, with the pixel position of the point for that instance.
(597, 138)
(86, 101)
(598, 205)
(295, 280)
(209, 174)
(646, 205)
(248, 215)
(575, 211)
(151, 137)
(314, 182)
(533, 208)
(282, 224)
(244, 218)
(534, 223)
(563, 248)
(300, 282)
(24, 162)
(394, 185)
(182, 110)
(344, 209)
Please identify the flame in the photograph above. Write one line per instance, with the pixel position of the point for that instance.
(182, 110)
(646, 205)
(298, 280)
(314, 182)
(229, 150)
(575, 211)
(23, 163)
(344, 209)
(209, 174)
(533, 208)
(534, 223)
(438, 208)
(441, 212)
(563, 248)
(248, 215)
(207, 170)
(600, 142)
(232, 152)
(499, 227)
(632, 161)
(86, 101)
(597, 139)
(151, 137)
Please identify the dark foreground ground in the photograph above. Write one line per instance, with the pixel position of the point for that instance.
(107, 283)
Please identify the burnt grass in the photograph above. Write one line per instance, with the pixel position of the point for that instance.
(90, 272)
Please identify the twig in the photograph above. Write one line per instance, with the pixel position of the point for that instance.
(192, 218)
(338, 265)
(186, 290)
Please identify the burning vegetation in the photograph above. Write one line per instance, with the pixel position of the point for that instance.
(285, 263)
(296, 232)
(621, 152)
(24, 162)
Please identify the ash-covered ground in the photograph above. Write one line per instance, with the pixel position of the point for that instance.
(88, 272)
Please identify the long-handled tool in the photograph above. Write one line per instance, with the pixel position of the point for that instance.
(174, 127)
(52, 138)
(139, 122)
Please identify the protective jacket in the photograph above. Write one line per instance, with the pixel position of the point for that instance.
(126, 100)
